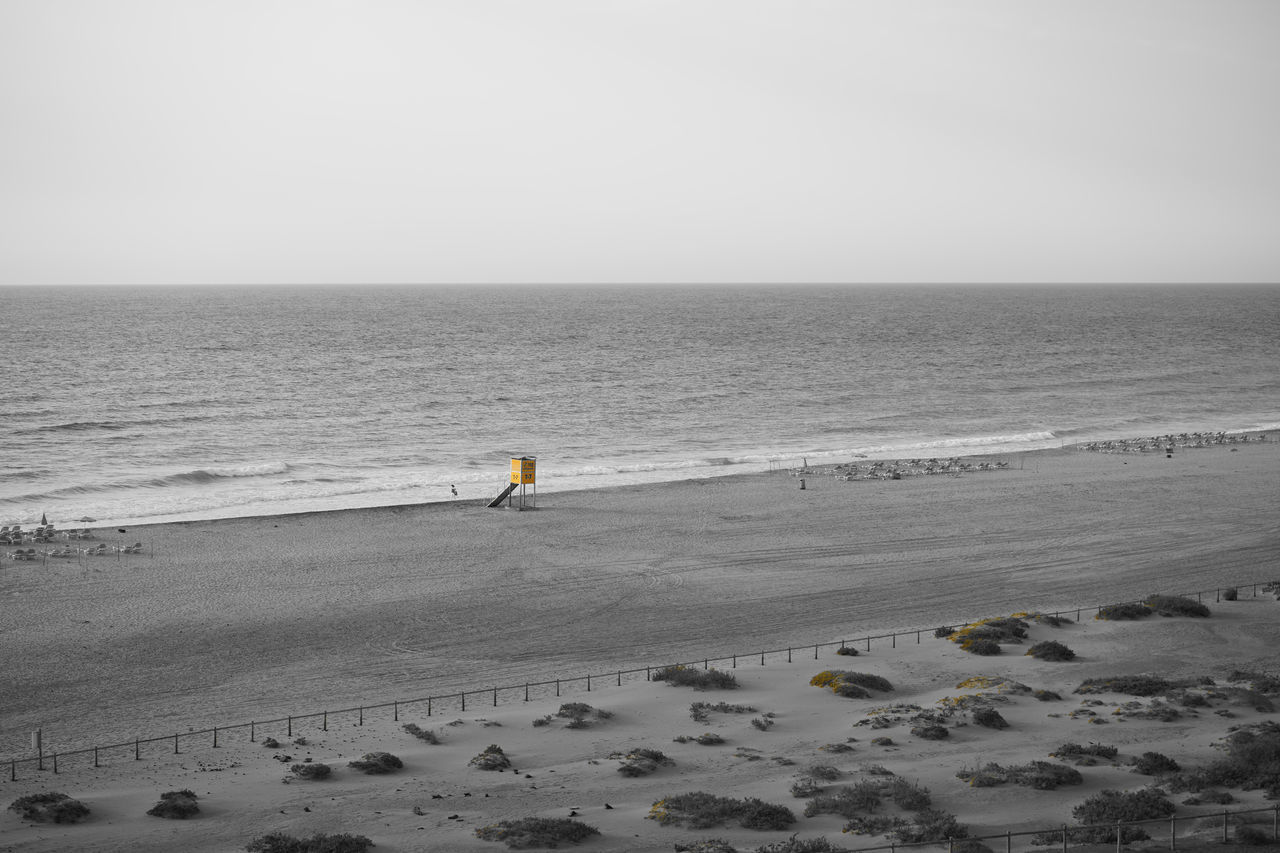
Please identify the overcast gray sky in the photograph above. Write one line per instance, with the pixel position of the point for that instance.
(154, 141)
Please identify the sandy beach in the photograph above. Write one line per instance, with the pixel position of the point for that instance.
(218, 623)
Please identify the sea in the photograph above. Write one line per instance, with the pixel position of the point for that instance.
(134, 405)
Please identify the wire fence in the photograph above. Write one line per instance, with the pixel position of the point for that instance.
(459, 702)
(1096, 834)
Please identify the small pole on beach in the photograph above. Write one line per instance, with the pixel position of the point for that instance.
(289, 727)
(495, 697)
(324, 722)
(464, 700)
(893, 641)
(735, 661)
(788, 654)
(619, 678)
(1118, 836)
(1225, 823)
(13, 771)
(762, 658)
(526, 691)
(175, 744)
(361, 723)
(815, 651)
(215, 737)
(95, 757)
(868, 644)
(1173, 833)
(557, 687)
(428, 706)
(37, 742)
(1064, 838)
(251, 737)
(55, 762)
(137, 750)
(395, 711)
(1008, 841)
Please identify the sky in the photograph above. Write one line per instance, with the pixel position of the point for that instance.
(581, 141)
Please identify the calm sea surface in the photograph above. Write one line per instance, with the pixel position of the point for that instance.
(133, 405)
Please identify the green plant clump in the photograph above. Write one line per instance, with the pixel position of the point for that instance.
(1129, 685)
(50, 807)
(278, 842)
(175, 805)
(537, 832)
(981, 646)
(641, 761)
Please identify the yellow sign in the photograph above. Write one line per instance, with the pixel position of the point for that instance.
(522, 469)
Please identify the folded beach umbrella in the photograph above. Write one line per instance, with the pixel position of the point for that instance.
(43, 519)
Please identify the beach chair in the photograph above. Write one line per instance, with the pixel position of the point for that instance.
(135, 548)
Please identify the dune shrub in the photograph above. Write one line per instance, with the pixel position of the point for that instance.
(910, 796)
(981, 646)
(1177, 605)
(762, 723)
(49, 807)
(805, 787)
(1046, 695)
(1129, 685)
(1230, 594)
(847, 801)
(1075, 750)
(1051, 650)
(703, 679)
(279, 842)
(801, 845)
(528, 832)
(1108, 807)
(175, 805)
(943, 632)
(1129, 610)
(709, 845)
(641, 761)
(1252, 762)
(492, 758)
(825, 772)
(311, 771)
(377, 763)
(851, 685)
(577, 713)
(421, 734)
(700, 810)
(270, 743)
(930, 731)
(1155, 764)
(848, 651)
(701, 711)
(989, 718)
(1039, 775)
(929, 826)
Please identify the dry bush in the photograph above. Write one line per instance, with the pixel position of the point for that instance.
(492, 758)
(314, 771)
(377, 763)
(421, 734)
(537, 832)
(49, 807)
(175, 805)
(278, 842)
(700, 810)
(703, 679)
(1177, 605)
(1051, 650)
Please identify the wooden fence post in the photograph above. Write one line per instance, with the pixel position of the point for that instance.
(215, 737)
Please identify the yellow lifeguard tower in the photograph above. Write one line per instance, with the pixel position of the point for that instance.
(523, 470)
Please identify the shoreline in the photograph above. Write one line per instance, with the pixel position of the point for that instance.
(1130, 443)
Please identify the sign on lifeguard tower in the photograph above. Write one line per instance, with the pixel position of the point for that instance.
(522, 469)
(522, 474)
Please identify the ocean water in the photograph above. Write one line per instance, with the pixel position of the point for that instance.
(135, 405)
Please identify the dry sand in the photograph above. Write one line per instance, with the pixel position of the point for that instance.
(223, 622)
